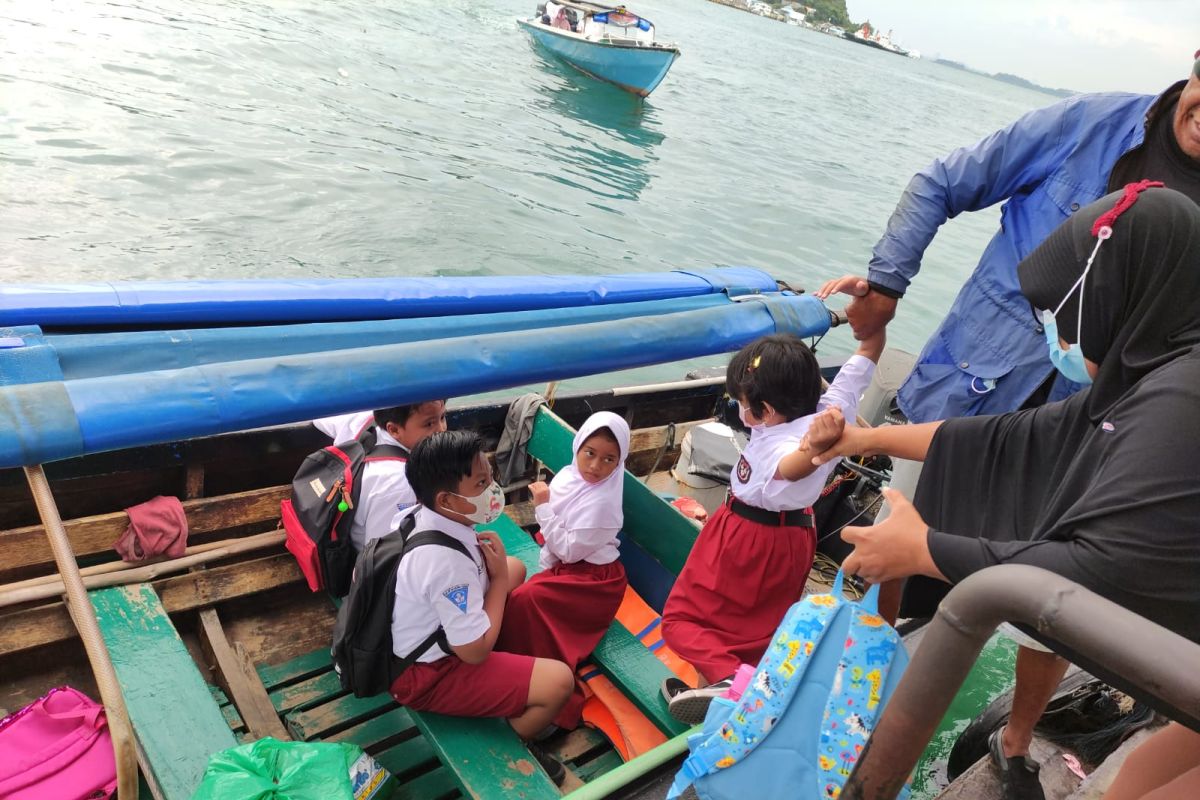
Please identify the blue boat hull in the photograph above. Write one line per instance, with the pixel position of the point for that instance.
(634, 69)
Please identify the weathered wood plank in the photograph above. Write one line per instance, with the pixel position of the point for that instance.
(177, 723)
(28, 547)
(296, 669)
(638, 674)
(314, 690)
(34, 627)
(413, 755)
(390, 725)
(579, 742)
(237, 677)
(486, 756)
(314, 723)
(436, 785)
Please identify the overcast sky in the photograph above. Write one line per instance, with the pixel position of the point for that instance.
(1092, 45)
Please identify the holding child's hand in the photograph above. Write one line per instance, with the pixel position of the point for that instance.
(847, 284)
(540, 491)
(826, 428)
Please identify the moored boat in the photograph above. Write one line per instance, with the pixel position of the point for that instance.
(609, 43)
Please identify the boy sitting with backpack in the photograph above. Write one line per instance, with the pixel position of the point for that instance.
(383, 488)
(462, 594)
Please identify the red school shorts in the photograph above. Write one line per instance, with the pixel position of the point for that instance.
(499, 687)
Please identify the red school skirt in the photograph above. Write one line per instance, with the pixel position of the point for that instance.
(739, 581)
(563, 613)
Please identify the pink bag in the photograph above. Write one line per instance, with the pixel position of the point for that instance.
(58, 746)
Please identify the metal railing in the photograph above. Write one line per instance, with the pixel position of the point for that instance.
(1111, 642)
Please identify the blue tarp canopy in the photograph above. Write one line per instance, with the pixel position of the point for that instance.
(64, 395)
(201, 303)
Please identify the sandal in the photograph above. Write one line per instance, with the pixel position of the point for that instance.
(1018, 774)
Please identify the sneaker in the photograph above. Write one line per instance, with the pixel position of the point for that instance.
(1018, 775)
(673, 686)
(690, 706)
(553, 767)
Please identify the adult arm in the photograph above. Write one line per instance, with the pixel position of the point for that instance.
(901, 441)
(970, 178)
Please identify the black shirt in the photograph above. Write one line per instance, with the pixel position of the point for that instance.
(1160, 158)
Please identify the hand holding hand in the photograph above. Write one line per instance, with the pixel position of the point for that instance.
(895, 548)
(825, 430)
(495, 559)
(540, 491)
(851, 440)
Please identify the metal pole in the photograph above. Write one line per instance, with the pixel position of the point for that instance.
(1109, 641)
(84, 617)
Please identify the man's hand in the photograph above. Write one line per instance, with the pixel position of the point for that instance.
(898, 547)
(826, 428)
(494, 556)
(869, 314)
(540, 491)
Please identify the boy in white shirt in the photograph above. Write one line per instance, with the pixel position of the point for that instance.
(466, 597)
(383, 485)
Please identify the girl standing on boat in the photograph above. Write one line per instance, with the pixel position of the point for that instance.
(563, 611)
(751, 560)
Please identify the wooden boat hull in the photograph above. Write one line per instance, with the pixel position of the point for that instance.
(635, 69)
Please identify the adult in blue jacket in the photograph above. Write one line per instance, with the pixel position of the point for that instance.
(989, 355)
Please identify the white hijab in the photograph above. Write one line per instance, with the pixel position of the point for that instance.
(576, 503)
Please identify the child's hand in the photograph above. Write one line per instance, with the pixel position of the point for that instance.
(540, 491)
(847, 284)
(826, 428)
(494, 556)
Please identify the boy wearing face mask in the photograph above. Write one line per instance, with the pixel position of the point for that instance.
(439, 586)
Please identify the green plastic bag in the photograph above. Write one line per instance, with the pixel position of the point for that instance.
(269, 769)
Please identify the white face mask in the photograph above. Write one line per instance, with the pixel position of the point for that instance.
(743, 414)
(487, 506)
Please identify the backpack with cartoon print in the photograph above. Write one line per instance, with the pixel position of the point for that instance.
(804, 719)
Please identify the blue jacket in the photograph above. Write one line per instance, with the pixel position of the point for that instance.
(989, 355)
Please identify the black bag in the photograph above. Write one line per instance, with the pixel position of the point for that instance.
(362, 634)
(318, 516)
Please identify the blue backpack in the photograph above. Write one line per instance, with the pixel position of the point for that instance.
(804, 719)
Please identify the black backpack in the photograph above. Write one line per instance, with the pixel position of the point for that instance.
(362, 634)
(318, 516)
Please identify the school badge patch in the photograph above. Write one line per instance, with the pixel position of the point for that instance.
(458, 596)
(743, 470)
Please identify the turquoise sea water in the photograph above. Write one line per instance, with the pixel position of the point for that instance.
(188, 140)
(171, 139)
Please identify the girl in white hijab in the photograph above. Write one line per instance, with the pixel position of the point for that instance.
(563, 611)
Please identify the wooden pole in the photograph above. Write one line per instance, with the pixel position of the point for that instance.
(121, 572)
(84, 617)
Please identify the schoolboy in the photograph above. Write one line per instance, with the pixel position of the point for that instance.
(436, 586)
(383, 484)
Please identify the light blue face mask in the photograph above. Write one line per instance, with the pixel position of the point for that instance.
(1070, 361)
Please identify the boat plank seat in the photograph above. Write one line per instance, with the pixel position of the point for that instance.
(176, 720)
(620, 655)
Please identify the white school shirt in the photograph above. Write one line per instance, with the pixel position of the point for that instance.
(753, 477)
(439, 586)
(383, 485)
(567, 545)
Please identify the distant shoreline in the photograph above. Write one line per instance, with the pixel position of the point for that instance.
(1003, 77)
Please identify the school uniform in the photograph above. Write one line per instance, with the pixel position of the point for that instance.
(384, 491)
(563, 611)
(439, 586)
(753, 556)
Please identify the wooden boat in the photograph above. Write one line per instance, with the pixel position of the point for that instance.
(608, 43)
(227, 644)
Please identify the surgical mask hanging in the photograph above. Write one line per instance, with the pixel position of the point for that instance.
(1070, 361)
(487, 506)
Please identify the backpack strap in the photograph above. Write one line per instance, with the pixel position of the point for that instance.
(411, 542)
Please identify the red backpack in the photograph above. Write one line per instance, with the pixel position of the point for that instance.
(318, 516)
